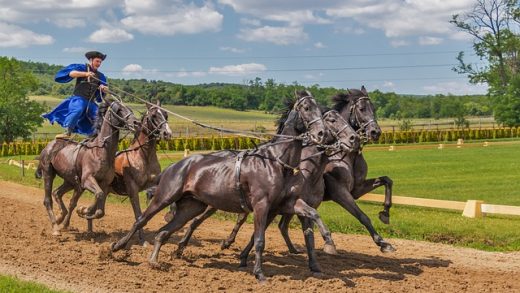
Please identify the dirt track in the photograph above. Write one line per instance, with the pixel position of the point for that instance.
(72, 262)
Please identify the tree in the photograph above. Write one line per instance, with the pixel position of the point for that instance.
(19, 116)
(494, 25)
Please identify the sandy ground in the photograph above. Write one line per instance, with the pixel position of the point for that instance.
(72, 261)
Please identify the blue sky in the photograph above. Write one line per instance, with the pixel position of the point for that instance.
(392, 45)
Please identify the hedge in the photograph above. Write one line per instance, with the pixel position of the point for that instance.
(220, 143)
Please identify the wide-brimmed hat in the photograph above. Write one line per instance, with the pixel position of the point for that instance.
(95, 54)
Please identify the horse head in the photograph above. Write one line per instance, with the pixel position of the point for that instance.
(355, 106)
(119, 115)
(155, 122)
(307, 116)
(341, 131)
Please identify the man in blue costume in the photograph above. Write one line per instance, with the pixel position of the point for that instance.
(78, 112)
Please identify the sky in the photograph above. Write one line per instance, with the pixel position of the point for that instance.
(402, 46)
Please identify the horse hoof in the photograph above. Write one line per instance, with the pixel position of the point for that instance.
(384, 217)
(262, 280)
(317, 274)
(225, 245)
(56, 232)
(294, 251)
(387, 248)
(243, 264)
(330, 249)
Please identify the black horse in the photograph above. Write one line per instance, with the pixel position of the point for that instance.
(256, 181)
(345, 173)
(309, 189)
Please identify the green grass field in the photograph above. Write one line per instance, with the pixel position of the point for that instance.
(472, 172)
(14, 285)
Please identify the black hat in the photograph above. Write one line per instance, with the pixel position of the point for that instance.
(95, 54)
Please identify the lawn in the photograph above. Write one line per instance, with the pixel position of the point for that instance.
(14, 285)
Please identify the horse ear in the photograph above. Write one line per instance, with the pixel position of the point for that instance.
(308, 93)
(364, 90)
(158, 102)
(148, 106)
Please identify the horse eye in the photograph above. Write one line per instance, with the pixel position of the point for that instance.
(306, 108)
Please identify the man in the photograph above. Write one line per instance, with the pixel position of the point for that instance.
(78, 112)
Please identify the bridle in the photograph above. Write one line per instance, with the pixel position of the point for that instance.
(154, 132)
(120, 118)
(354, 119)
(297, 105)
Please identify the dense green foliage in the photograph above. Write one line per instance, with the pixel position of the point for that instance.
(268, 96)
(19, 116)
(494, 25)
(222, 143)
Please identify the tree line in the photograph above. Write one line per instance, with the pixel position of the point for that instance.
(268, 96)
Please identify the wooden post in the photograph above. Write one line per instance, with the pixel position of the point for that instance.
(186, 152)
(473, 209)
(23, 168)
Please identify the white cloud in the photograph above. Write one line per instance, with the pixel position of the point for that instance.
(76, 50)
(184, 73)
(132, 68)
(399, 43)
(70, 22)
(238, 70)
(64, 13)
(15, 36)
(250, 22)
(319, 45)
(110, 35)
(276, 35)
(388, 85)
(231, 49)
(171, 19)
(456, 88)
(427, 41)
(349, 30)
(403, 18)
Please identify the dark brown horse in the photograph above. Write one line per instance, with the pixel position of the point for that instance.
(257, 181)
(345, 174)
(310, 189)
(88, 165)
(137, 167)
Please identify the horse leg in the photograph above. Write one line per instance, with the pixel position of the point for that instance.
(247, 250)
(57, 195)
(194, 224)
(188, 208)
(371, 184)
(48, 177)
(93, 211)
(308, 232)
(283, 226)
(72, 205)
(133, 194)
(303, 209)
(241, 219)
(158, 203)
(261, 213)
(345, 200)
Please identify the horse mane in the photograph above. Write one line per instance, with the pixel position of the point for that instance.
(280, 122)
(102, 110)
(341, 100)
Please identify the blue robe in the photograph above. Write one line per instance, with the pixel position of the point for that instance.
(75, 113)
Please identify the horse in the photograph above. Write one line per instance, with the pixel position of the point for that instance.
(255, 181)
(310, 189)
(88, 165)
(345, 174)
(137, 167)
